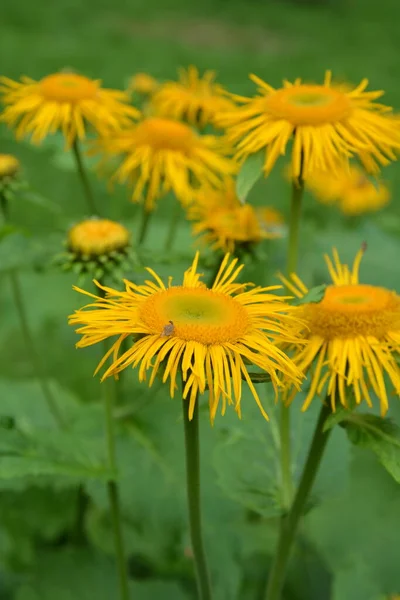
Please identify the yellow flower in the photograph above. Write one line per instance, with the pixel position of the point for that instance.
(96, 237)
(209, 335)
(63, 101)
(352, 337)
(9, 166)
(225, 223)
(160, 155)
(193, 98)
(327, 124)
(350, 188)
(142, 83)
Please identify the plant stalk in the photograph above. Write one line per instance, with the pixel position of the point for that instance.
(173, 226)
(144, 225)
(84, 179)
(193, 497)
(290, 521)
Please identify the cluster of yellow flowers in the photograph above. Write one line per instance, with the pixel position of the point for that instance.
(211, 334)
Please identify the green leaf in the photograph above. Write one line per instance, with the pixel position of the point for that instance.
(314, 295)
(41, 202)
(249, 174)
(382, 436)
(259, 377)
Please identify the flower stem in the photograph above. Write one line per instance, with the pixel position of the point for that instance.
(144, 225)
(173, 225)
(193, 497)
(290, 521)
(84, 179)
(285, 441)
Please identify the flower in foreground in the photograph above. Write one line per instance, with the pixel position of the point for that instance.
(350, 188)
(225, 223)
(209, 336)
(161, 155)
(327, 123)
(193, 98)
(353, 337)
(64, 102)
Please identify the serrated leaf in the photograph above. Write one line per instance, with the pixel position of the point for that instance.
(314, 295)
(249, 174)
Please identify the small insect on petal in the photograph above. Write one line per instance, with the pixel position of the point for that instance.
(168, 329)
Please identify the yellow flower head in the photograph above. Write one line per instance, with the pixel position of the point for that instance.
(225, 223)
(350, 188)
(97, 237)
(143, 84)
(352, 336)
(9, 166)
(160, 155)
(193, 98)
(209, 335)
(64, 102)
(327, 123)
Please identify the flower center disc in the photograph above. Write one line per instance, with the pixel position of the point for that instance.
(164, 134)
(308, 105)
(353, 310)
(68, 87)
(197, 314)
(97, 236)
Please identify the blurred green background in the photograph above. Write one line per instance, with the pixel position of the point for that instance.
(348, 547)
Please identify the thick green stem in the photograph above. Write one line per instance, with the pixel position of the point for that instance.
(84, 179)
(193, 496)
(290, 521)
(173, 226)
(293, 247)
(144, 225)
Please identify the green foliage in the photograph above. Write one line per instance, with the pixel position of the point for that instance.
(249, 173)
(314, 295)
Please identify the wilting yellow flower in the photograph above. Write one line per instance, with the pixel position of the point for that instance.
(327, 123)
(95, 237)
(160, 155)
(352, 336)
(209, 335)
(225, 223)
(142, 83)
(350, 188)
(64, 101)
(193, 98)
(9, 165)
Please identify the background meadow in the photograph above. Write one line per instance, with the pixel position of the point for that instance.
(348, 547)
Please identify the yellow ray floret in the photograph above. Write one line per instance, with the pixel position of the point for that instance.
(208, 336)
(64, 102)
(326, 124)
(353, 338)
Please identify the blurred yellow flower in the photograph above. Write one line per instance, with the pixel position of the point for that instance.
(209, 336)
(193, 98)
(160, 155)
(142, 83)
(350, 188)
(224, 223)
(63, 101)
(327, 123)
(9, 165)
(353, 337)
(96, 237)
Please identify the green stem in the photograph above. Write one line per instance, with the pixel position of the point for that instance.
(290, 521)
(144, 225)
(193, 497)
(84, 179)
(293, 247)
(173, 226)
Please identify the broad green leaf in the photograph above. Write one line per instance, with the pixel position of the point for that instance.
(314, 295)
(249, 174)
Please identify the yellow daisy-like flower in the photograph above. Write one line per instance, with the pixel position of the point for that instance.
(224, 222)
(350, 188)
(160, 155)
(353, 336)
(96, 237)
(327, 123)
(193, 98)
(9, 166)
(63, 101)
(209, 335)
(142, 83)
